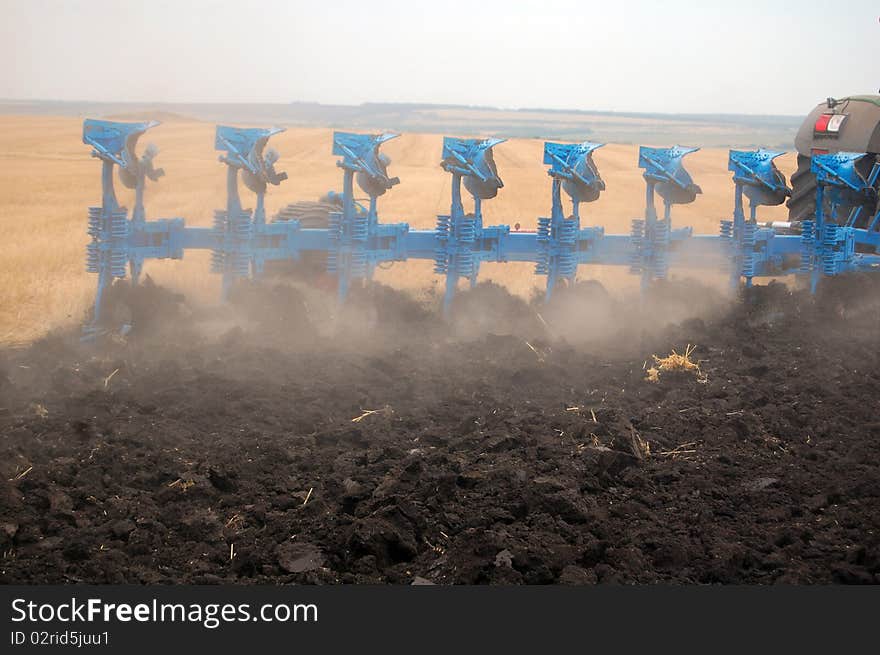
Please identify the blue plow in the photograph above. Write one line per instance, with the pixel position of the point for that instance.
(355, 241)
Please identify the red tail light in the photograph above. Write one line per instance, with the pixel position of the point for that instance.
(829, 124)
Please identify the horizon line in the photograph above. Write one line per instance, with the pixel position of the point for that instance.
(448, 105)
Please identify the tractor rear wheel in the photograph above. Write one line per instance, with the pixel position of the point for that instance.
(802, 204)
(309, 213)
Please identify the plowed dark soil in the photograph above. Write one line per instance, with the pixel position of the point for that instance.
(235, 454)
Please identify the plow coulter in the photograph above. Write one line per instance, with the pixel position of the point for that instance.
(838, 237)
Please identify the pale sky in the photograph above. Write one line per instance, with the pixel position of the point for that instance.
(727, 56)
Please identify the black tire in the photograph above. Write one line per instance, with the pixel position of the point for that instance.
(309, 213)
(802, 204)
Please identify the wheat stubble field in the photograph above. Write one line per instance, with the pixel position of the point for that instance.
(48, 179)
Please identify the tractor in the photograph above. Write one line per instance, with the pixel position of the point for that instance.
(850, 124)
